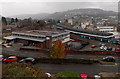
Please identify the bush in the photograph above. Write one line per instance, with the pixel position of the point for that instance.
(17, 70)
(66, 75)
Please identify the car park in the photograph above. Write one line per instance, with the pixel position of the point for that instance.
(109, 59)
(10, 59)
(28, 60)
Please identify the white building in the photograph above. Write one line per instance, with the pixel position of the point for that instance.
(106, 28)
(70, 21)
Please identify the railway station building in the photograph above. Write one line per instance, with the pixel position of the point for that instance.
(39, 38)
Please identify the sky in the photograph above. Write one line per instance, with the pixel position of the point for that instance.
(18, 7)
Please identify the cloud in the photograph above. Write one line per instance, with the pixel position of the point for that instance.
(17, 8)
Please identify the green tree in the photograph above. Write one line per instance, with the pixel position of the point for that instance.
(16, 20)
(41, 23)
(12, 20)
(57, 50)
(4, 22)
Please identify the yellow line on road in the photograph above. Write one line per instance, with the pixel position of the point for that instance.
(108, 65)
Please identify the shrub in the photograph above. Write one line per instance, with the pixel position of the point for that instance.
(17, 70)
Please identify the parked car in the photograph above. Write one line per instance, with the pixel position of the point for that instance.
(109, 48)
(5, 45)
(10, 59)
(109, 59)
(48, 74)
(1, 57)
(93, 46)
(103, 47)
(83, 76)
(28, 60)
(73, 40)
(97, 77)
(117, 50)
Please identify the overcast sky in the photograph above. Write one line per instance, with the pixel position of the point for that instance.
(12, 7)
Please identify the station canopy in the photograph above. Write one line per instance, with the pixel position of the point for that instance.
(10, 37)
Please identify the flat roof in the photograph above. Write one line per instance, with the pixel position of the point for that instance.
(9, 37)
(40, 32)
(85, 31)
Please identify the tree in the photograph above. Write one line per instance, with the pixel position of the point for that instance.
(12, 20)
(57, 50)
(16, 20)
(41, 23)
(4, 22)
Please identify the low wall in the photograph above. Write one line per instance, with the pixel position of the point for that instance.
(77, 52)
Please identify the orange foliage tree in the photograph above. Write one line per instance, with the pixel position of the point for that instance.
(57, 50)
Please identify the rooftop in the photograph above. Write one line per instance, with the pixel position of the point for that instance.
(85, 31)
(40, 32)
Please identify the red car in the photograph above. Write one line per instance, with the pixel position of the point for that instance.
(73, 40)
(83, 76)
(10, 59)
(118, 50)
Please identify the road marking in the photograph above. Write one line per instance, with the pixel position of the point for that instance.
(86, 56)
(106, 65)
(109, 65)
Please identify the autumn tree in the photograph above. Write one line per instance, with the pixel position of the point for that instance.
(58, 50)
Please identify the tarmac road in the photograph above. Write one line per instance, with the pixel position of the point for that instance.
(78, 68)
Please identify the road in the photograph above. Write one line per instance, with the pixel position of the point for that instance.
(78, 68)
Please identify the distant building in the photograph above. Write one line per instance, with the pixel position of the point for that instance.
(106, 28)
(70, 21)
(39, 38)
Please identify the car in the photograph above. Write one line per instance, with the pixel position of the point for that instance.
(48, 74)
(101, 47)
(1, 57)
(28, 60)
(83, 76)
(109, 59)
(73, 40)
(10, 59)
(97, 76)
(93, 46)
(117, 50)
(105, 48)
(9, 44)
(109, 48)
(5, 45)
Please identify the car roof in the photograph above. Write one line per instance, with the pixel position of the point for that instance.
(12, 57)
(109, 57)
(29, 58)
(1, 55)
